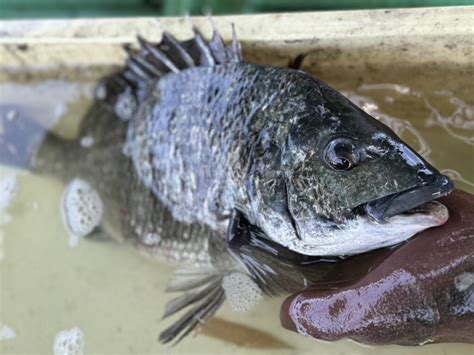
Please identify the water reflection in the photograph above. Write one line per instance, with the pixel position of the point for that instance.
(459, 120)
(441, 108)
(445, 109)
(403, 128)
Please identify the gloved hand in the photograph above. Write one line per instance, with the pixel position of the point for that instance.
(422, 292)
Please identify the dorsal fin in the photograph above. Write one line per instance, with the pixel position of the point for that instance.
(152, 61)
(177, 52)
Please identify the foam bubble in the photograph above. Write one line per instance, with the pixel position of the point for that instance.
(6, 332)
(100, 92)
(241, 291)
(125, 105)
(8, 190)
(12, 115)
(151, 239)
(87, 141)
(69, 342)
(82, 208)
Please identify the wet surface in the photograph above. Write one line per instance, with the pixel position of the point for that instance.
(401, 301)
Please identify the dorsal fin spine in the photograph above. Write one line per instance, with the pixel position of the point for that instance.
(180, 49)
(152, 61)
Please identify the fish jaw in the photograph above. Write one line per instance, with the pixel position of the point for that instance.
(363, 234)
(397, 203)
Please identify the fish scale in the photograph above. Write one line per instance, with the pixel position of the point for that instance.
(191, 160)
(131, 211)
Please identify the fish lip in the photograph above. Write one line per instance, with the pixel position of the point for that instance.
(400, 202)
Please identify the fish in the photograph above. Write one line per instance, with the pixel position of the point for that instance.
(256, 178)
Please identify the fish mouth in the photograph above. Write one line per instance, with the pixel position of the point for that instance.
(402, 202)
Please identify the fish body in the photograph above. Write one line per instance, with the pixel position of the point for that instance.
(213, 140)
(267, 172)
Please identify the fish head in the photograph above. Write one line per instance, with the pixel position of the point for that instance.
(345, 173)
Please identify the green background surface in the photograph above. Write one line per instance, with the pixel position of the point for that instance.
(13, 9)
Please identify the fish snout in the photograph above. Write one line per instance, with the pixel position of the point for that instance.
(432, 185)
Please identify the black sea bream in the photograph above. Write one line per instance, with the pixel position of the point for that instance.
(257, 177)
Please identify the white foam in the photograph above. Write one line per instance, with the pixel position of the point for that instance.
(87, 141)
(8, 190)
(241, 291)
(69, 342)
(151, 239)
(6, 332)
(82, 208)
(125, 105)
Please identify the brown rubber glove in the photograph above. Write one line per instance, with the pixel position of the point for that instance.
(422, 292)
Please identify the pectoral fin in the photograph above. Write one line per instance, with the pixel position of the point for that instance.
(275, 268)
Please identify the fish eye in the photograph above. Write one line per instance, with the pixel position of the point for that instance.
(341, 154)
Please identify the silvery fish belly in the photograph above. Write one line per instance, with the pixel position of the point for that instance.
(260, 177)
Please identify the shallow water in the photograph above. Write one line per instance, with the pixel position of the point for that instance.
(115, 296)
